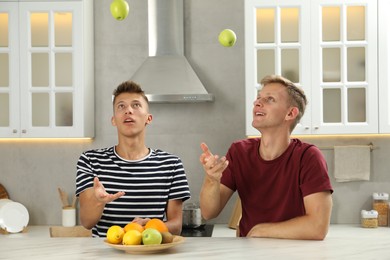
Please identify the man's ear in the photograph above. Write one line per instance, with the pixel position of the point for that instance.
(292, 114)
(149, 119)
(113, 121)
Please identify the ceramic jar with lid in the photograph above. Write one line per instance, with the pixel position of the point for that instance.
(381, 205)
(369, 218)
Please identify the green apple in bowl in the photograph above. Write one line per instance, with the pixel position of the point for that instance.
(227, 38)
(151, 236)
(119, 9)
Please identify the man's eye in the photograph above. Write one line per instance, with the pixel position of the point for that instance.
(136, 105)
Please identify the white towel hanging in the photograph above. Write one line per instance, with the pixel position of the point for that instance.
(352, 163)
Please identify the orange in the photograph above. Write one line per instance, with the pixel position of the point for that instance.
(115, 234)
(157, 224)
(134, 226)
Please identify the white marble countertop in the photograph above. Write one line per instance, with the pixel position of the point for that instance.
(342, 242)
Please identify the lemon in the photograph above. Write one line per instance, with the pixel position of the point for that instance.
(132, 237)
(115, 234)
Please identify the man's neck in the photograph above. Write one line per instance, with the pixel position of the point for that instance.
(131, 149)
(272, 146)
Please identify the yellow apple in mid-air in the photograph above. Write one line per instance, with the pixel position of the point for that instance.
(119, 9)
(227, 38)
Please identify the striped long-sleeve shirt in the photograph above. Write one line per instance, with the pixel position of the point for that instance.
(148, 184)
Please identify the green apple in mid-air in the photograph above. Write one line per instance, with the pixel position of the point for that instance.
(119, 9)
(227, 38)
(151, 236)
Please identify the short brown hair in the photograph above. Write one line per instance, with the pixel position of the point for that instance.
(296, 95)
(129, 87)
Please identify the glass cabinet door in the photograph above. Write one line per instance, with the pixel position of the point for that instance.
(277, 41)
(384, 65)
(9, 72)
(329, 48)
(50, 58)
(46, 69)
(46, 95)
(345, 78)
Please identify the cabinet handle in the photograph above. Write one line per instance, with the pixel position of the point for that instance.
(316, 127)
(14, 131)
(307, 128)
(24, 131)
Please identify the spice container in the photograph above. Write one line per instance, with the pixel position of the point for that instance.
(381, 205)
(388, 215)
(369, 218)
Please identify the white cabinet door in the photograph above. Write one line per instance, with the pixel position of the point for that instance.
(329, 48)
(344, 67)
(384, 65)
(277, 42)
(9, 70)
(55, 69)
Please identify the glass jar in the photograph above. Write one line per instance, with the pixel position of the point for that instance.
(369, 218)
(388, 215)
(381, 205)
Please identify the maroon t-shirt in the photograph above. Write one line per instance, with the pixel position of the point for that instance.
(273, 191)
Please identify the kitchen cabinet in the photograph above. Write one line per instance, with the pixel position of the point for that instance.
(329, 48)
(384, 65)
(46, 69)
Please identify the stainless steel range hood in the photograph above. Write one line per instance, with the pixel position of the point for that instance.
(166, 76)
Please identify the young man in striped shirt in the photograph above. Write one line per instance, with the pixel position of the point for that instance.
(130, 182)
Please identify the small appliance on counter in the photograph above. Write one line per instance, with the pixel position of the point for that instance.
(203, 231)
(192, 216)
(193, 223)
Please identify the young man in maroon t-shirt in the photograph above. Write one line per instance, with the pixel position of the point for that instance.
(283, 183)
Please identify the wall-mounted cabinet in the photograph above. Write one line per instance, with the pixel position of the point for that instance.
(384, 65)
(329, 48)
(46, 69)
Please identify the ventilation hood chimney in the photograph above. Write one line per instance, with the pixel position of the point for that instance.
(166, 76)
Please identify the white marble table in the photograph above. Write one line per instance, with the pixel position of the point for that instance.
(342, 242)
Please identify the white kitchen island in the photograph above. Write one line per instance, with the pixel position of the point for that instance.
(342, 242)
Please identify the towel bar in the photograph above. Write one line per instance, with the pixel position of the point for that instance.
(372, 147)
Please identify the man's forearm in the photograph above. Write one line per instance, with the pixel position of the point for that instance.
(210, 201)
(91, 210)
(304, 228)
(313, 225)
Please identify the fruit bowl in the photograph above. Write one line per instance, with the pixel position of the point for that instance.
(147, 249)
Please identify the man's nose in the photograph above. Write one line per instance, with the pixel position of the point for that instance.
(128, 110)
(258, 102)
